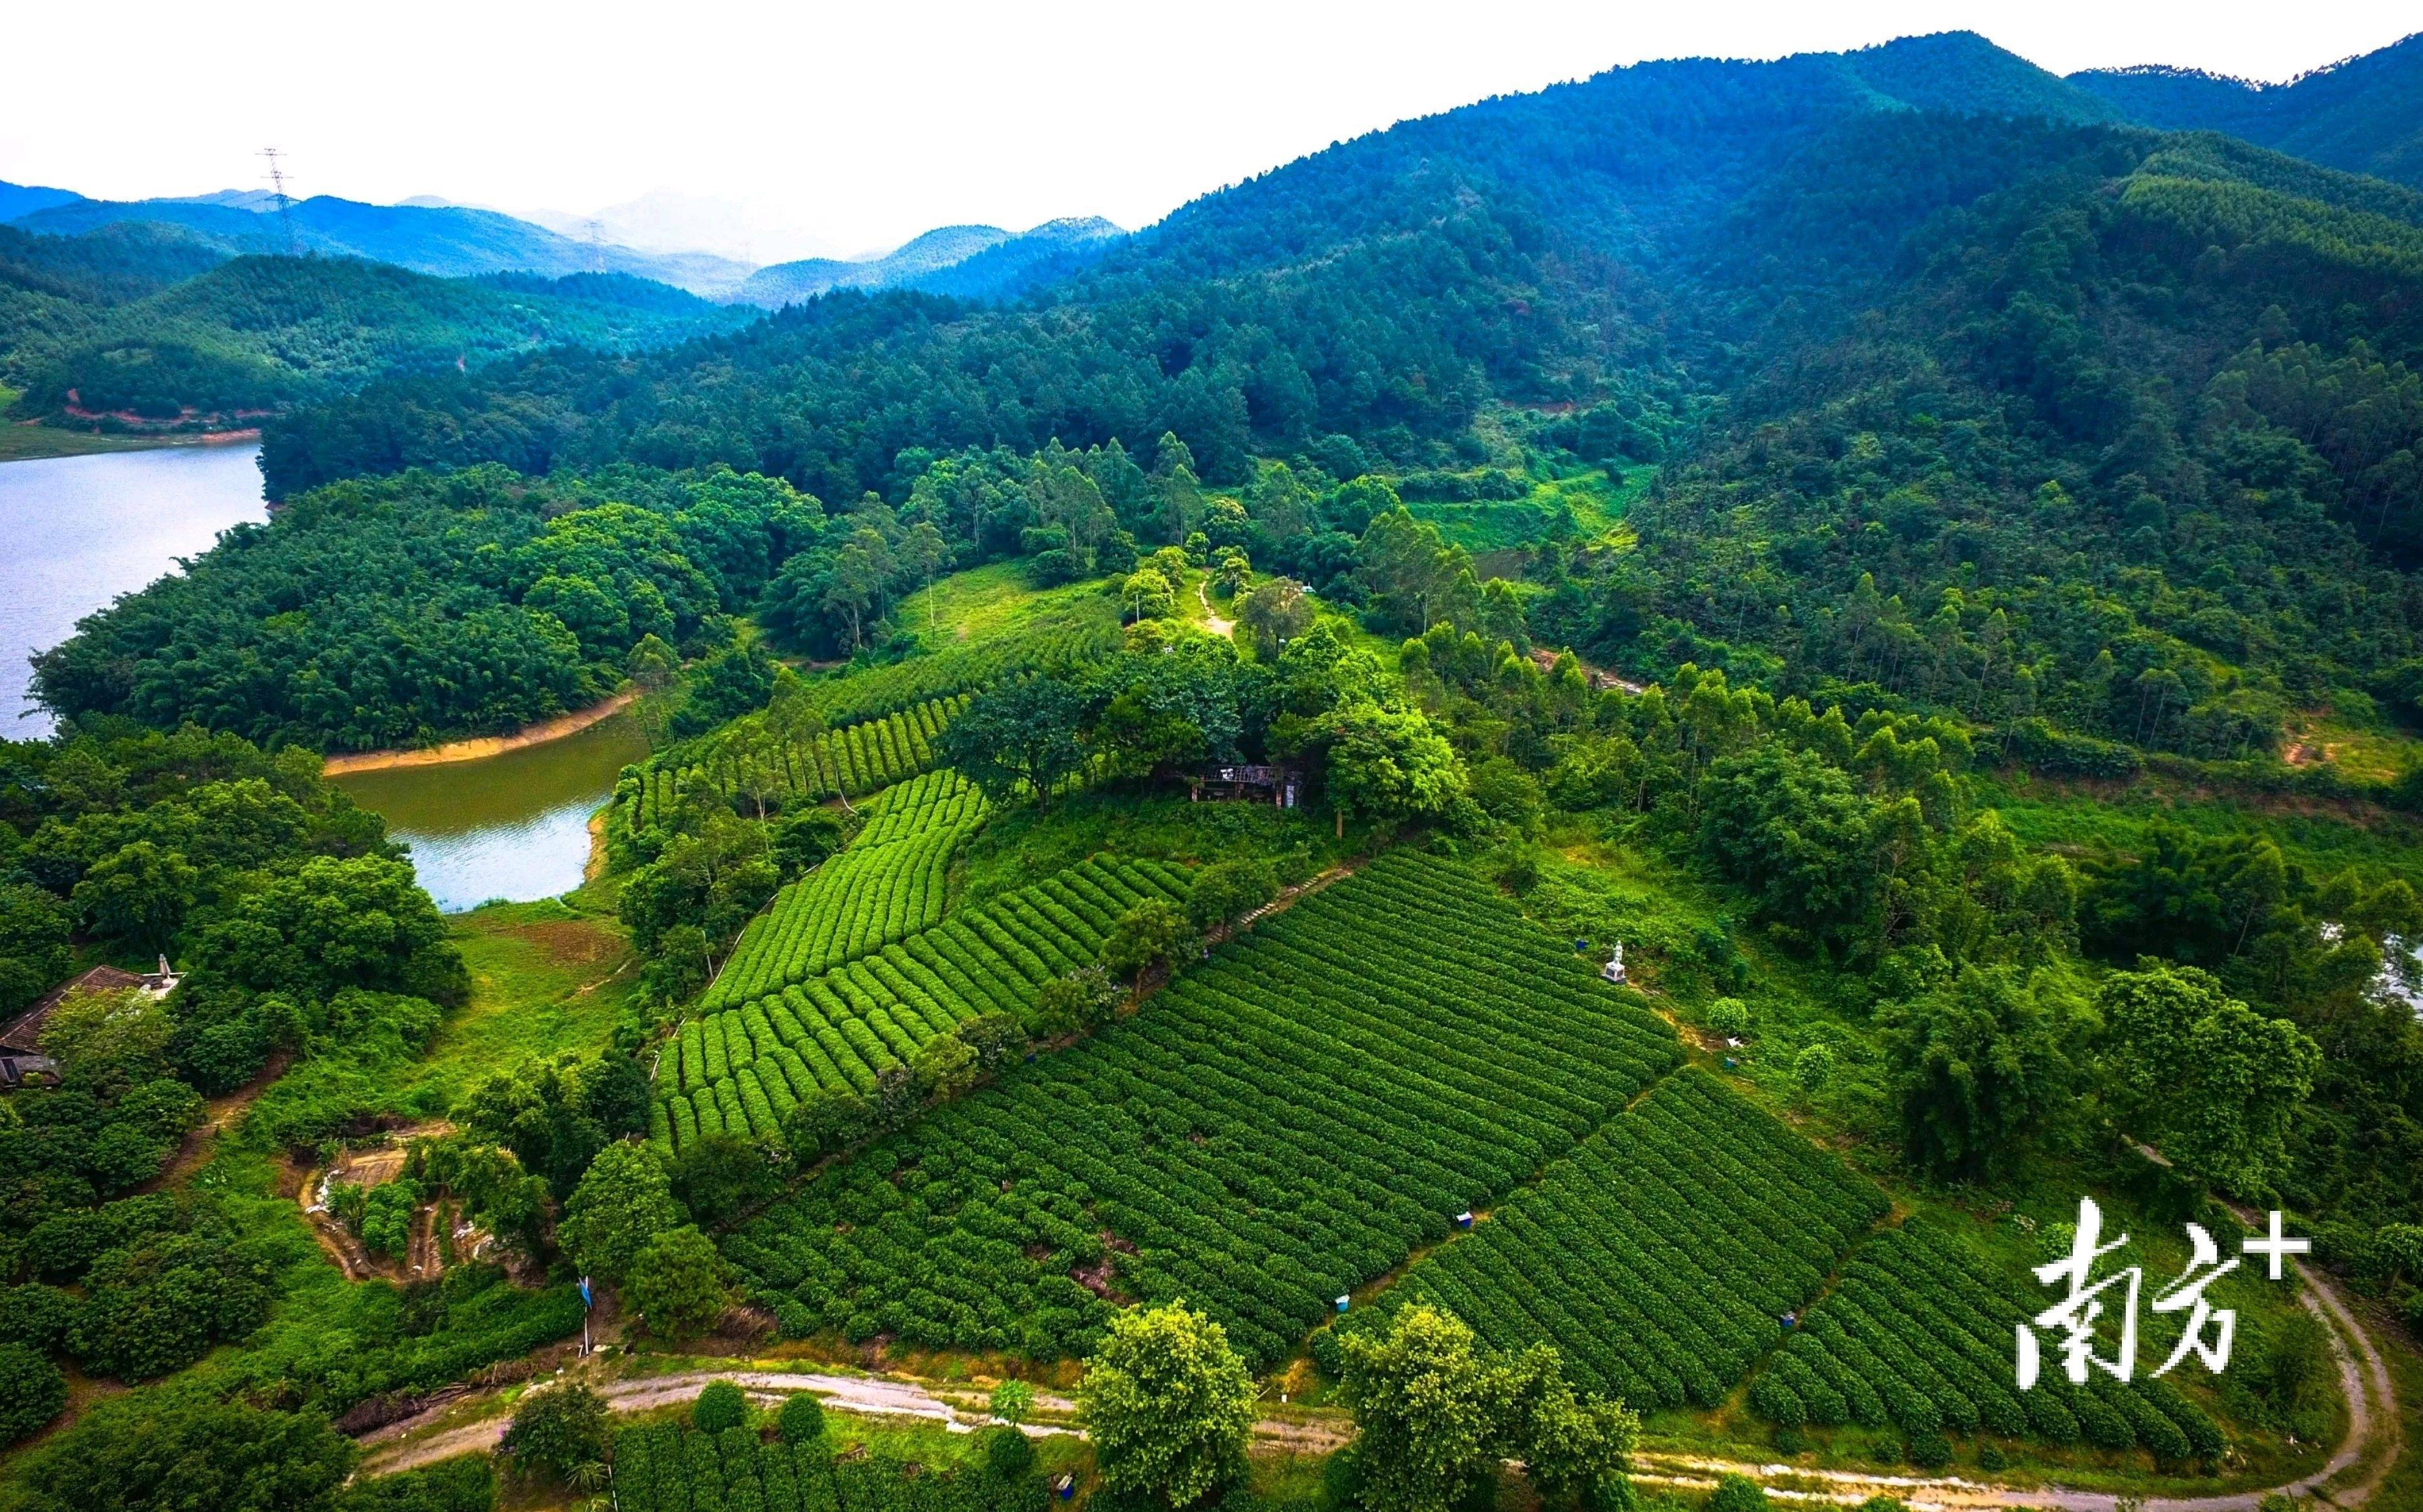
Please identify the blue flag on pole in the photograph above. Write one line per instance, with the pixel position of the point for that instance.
(585, 1299)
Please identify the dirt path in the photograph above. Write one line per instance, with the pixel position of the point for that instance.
(486, 746)
(1212, 620)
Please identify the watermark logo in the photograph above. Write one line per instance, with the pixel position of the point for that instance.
(2210, 1330)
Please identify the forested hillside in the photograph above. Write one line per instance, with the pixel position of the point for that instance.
(139, 325)
(2364, 114)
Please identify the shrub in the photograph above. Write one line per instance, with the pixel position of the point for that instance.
(1737, 1493)
(800, 1419)
(720, 1406)
(1991, 1457)
(32, 1392)
(1729, 1016)
(1007, 1451)
(556, 1430)
(1930, 1450)
(679, 1284)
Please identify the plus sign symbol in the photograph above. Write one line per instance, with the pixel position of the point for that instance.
(2275, 1246)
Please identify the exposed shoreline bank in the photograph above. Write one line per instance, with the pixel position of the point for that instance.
(480, 747)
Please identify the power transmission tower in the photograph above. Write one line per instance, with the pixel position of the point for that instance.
(596, 247)
(277, 187)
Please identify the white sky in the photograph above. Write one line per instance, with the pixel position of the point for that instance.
(861, 124)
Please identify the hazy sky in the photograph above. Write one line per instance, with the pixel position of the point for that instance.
(861, 124)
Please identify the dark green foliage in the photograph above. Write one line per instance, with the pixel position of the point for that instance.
(1024, 735)
(418, 609)
(1737, 1493)
(85, 315)
(800, 1420)
(468, 1484)
(148, 1454)
(1007, 1452)
(720, 1406)
(32, 1392)
(556, 1430)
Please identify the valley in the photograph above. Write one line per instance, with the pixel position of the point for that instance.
(1532, 813)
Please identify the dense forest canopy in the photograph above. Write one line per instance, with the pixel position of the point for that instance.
(146, 324)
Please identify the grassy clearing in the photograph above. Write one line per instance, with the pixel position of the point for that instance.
(22, 442)
(1021, 845)
(546, 978)
(985, 602)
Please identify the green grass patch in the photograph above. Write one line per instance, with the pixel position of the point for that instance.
(546, 978)
(21, 442)
(1023, 845)
(986, 602)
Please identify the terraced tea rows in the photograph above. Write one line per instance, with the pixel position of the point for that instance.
(661, 1468)
(1662, 1255)
(1085, 632)
(1919, 1334)
(892, 881)
(1282, 1124)
(856, 759)
(742, 1071)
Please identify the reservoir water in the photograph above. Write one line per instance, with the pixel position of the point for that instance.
(514, 826)
(79, 530)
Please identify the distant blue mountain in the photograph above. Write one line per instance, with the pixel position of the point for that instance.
(1009, 268)
(24, 198)
(448, 241)
(972, 262)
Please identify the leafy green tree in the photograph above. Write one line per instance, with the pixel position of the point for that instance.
(1737, 1493)
(1429, 1414)
(623, 1201)
(1435, 1414)
(1025, 733)
(718, 1175)
(556, 1430)
(2210, 1080)
(151, 1453)
(1168, 1405)
(336, 922)
(679, 1285)
(32, 1392)
(1075, 1003)
(1226, 891)
(720, 1405)
(34, 948)
(1390, 766)
(1148, 934)
(142, 893)
(1979, 1064)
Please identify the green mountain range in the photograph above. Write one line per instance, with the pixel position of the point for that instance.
(2364, 114)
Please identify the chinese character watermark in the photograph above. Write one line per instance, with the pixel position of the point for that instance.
(2210, 1330)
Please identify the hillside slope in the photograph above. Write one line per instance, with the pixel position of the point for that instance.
(2364, 114)
(255, 333)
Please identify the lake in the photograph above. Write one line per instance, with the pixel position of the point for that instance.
(83, 530)
(514, 826)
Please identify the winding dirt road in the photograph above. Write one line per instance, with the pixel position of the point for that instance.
(2373, 1442)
